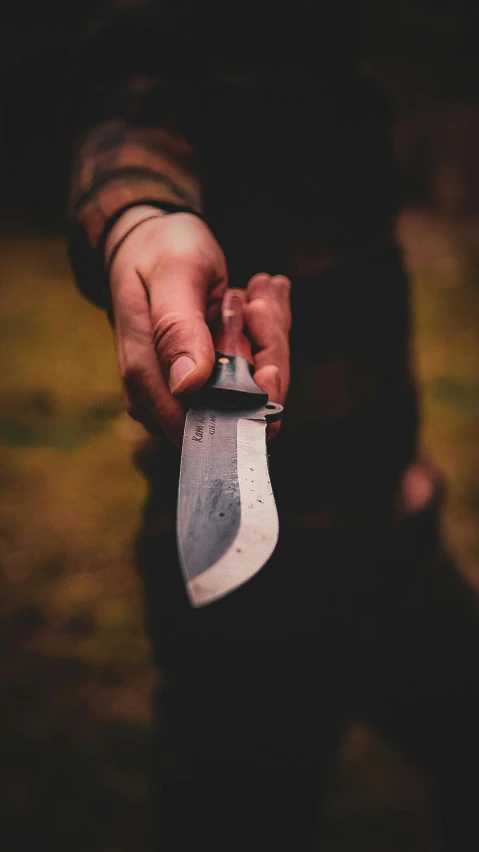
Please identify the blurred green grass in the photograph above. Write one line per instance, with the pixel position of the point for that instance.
(76, 672)
(445, 278)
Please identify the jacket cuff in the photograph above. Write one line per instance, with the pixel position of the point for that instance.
(118, 166)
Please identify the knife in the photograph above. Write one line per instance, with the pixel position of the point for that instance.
(227, 523)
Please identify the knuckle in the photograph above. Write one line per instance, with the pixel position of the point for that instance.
(260, 279)
(138, 403)
(257, 304)
(281, 283)
(271, 312)
(133, 410)
(169, 331)
(258, 285)
(132, 376)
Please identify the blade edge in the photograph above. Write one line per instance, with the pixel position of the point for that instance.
(259, 526)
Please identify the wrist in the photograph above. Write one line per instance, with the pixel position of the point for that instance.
(127, 221)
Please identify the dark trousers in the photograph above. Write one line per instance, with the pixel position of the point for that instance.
(370, 623)
(366, 620)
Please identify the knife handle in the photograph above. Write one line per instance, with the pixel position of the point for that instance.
(230, 338)
(231, 383)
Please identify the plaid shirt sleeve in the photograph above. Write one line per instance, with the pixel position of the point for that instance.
(129, 144)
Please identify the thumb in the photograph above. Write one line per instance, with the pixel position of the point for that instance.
(182, 339)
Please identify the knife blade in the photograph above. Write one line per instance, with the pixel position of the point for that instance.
(227, 523)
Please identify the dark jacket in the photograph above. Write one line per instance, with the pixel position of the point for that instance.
(254, 115)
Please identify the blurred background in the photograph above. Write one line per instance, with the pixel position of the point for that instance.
(75, 670)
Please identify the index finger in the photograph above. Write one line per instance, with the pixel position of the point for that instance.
(268, 318)
(275, 290)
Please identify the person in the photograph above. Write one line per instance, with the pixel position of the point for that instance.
(219, 143)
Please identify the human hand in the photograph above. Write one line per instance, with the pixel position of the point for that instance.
(267, 315)
(167, 281)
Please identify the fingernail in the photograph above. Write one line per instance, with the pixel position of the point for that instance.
(179, 370)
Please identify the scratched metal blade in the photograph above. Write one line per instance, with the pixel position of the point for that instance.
(227, 524)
